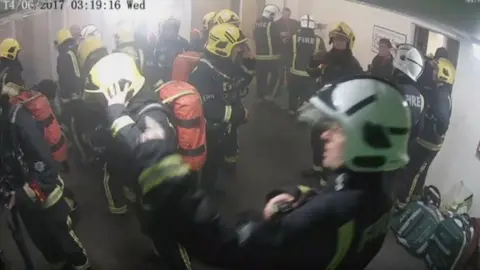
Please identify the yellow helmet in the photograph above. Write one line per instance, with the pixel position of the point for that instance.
(207, 20)
(223, 38)
(124, 36)
(62, 36)
(344, 30)
(9, 48)
(114, 68)
(87, 47)
(446, 71)
(226, 16)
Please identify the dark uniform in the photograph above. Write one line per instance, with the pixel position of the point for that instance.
(403, 177)
(268, 43)
(336, 64)
(165, 52)
(217, 82)
(144, 129)
(346, 230)
(429, 140)
(11, 71)
(382, 67)
(69, 77)
(39, 192)
(304, 44)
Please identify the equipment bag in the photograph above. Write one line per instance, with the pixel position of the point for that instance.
(185, 104)
(184, 64)
(415, 225)
(39, 106)
(449, 243)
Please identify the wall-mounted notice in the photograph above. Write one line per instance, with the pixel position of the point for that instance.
(382, 32)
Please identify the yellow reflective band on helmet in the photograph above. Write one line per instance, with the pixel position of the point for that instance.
(169, 167)
(223, 38)
(344, 242)
(228, 113)
(120, 123)
(63, 35)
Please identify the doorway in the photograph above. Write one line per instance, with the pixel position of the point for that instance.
(428, 41)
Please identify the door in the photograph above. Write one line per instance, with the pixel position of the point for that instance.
(453, 47)
(421, 39)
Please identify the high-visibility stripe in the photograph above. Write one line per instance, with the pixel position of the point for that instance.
(120, 123)
(228, 114)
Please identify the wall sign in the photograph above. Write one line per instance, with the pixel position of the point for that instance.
(382, 32)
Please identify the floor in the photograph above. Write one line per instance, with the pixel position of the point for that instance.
(274, 150)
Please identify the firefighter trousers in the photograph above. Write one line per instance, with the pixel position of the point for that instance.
(411, 180)
(215, 159)
(300, 89)
(117, 191)
(267, 76)
(51, 231)
(230, 147)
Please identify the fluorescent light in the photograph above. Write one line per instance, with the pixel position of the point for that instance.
(476, 50)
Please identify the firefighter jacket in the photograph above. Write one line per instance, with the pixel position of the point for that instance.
(69, 77)
(11, 71)
(165, 52)
(143, 129)
(216, 80)
(346, 230)
(27, 157)
(339, 64)
(382, 67)
(415, 101)
(437, 117)
(268, 42)
(303, 45)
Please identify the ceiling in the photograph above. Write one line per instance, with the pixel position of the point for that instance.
(459, 16)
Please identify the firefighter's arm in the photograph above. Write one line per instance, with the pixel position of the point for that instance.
(441, 106)
(148, 139)
(37, 154)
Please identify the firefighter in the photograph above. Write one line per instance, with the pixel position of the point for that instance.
(10, 66)
(125, 42)
(143, 129)
(247, 62)
(408, 67)
(298, 222)
(382, 66)
(429, 141)
(68, 71)
(269, 46)
(85, 116)
(304, 44)
(169, 45)
(216, 79)
(198, 38)
(337, 63)
(39, 190)
(75, 30)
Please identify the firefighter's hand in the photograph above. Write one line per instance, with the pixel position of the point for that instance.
(116, 93)
(11, 203)
(271, 207)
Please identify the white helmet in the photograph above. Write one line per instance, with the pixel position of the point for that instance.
(307, 21)
(409, 61)
(375, 118)
(271, 12)
(89, 30)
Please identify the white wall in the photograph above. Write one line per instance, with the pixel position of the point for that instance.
(456, 161)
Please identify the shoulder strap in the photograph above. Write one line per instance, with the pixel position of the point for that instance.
(147, 108)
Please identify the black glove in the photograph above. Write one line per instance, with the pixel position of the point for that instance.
(249, 63)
